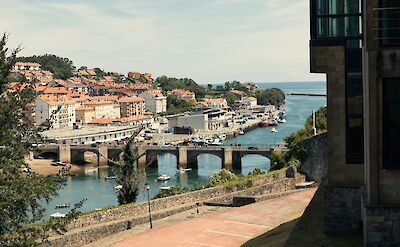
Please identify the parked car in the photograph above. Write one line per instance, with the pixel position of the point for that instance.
(253, 148)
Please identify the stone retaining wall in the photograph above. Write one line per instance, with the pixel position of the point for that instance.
(91, 227)
(162, 203)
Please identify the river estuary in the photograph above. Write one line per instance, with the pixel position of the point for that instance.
(90, 184)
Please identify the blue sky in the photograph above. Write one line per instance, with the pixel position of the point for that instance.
(207, 40)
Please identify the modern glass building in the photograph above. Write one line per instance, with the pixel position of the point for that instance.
(355, 42)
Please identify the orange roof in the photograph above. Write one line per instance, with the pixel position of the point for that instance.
(99, 102)
(105, 97)
(56, 90)
(56, 100)
(251, 98)
(84, 108)
(130, 99)
(101, 121)
(27, 64)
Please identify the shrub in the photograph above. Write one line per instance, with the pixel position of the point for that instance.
(221, 177)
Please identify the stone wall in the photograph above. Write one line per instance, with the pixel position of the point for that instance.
(342, 209)
(382, 226)
(316, 165)
(93, 226)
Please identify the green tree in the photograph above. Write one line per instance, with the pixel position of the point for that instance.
(128, 174)
(62, 68)
(271, 96)
(170, 83)
(21, 189)
(209, 87)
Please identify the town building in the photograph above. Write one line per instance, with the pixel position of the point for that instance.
(58, 110)
(356, 43)
(26, 66)
(131, 106)
(249, 102)
(85, 114)
(155, 101)
(217, 103)
(104, 109)
(196, 121)
(182, 94)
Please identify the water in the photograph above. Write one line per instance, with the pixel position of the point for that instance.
(100, 193)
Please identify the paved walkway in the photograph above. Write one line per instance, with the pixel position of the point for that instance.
(231, 227)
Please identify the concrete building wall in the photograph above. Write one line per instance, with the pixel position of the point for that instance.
(197, 122)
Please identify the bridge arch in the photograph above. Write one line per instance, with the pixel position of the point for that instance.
(193, 157)
(47, 155)
(208, 161)
(152, 156)
(251, 161)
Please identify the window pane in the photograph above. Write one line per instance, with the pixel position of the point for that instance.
(391, 124)
(390, 22)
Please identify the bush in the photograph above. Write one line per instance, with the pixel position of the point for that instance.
(221, 177)
(174, 190)
(256, 172)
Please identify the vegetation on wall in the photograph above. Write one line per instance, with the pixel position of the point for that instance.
(62, 68)
(297, 153)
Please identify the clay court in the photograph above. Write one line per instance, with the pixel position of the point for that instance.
(231, 227)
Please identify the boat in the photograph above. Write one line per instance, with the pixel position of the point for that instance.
(59, 163)
(165, 187)
(57, 215)
(263, 124)
(111, 177)
(163, 177)
(241, 132)
(118, 188)
(214, 142)
(282, 120)
(183, 170)
(65, 205)
(273, 123)
(273, 130)
(222, 137)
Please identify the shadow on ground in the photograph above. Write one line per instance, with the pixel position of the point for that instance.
(308, 230)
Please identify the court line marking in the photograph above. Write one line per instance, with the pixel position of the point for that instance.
(227, 233)
(202, 244)
(243, 223)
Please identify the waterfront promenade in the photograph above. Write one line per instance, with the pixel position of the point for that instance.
(226, 227)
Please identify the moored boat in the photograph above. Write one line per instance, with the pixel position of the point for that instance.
(163, 177)
(65, 205)
(273, 130)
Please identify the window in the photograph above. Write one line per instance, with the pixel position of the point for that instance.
(391, 124)
(389, 13)
(354, 104)
(336, 19)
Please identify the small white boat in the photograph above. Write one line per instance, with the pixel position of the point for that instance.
(183, 170)
(163, 177)
(282, 120)
(118, 187)
(57, 215)
(111, 177)
(165, 187)
(273, 130)
(241, 132)
(65, 205)
(215, 142)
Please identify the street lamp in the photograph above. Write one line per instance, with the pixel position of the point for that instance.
(147, 187)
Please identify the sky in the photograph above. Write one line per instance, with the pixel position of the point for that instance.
(209, 41)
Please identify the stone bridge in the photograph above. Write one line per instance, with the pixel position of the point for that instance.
(75, 153)
(187, 156)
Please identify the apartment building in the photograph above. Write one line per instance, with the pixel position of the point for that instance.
(131, 106)
(155, 101)
(58, 110)
(104, 109)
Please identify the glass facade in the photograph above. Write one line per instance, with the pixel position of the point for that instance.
(391, 124)
(389, 23)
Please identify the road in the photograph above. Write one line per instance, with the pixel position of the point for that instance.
(231, 227)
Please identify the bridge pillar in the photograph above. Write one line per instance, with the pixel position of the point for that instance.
(182, 157)
(236, 161)
(227, 159)
(64, 151)
(192, 160)
(141, 162)
(102, 155)
(77, 156)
